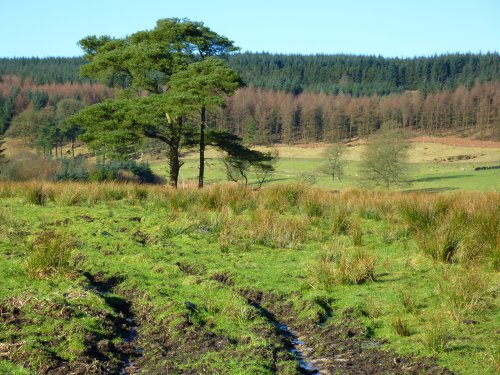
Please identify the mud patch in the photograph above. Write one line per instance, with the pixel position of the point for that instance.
(291, 340)
(124, 323)
(344, 347)
(86, 218)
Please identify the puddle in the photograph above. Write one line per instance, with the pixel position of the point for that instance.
(294, 344)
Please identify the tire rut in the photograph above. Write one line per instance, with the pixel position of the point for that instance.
(125, 325)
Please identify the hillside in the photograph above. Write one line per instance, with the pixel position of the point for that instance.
(301, 99)
(332, 74)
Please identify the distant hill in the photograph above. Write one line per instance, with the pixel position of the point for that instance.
(340, 95)
(331, 74)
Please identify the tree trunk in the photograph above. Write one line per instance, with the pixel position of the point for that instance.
(202, 146)
(72, 149)
(174, 166)
(174, 162)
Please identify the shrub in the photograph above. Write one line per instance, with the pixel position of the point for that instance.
(116, 171)
(49, 255)
(25, 166)
(73, 170)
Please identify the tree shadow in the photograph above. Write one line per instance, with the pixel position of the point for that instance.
(437, 178)
(431, 190)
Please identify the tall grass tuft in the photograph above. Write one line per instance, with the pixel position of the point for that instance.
(340, 220)
(38, 195)
(343, 266)
(465, 291)
(436, 336)
(408, 300)
(356, 232)
(441, 244)
(401, 327)
(49, 255)
(280, 231)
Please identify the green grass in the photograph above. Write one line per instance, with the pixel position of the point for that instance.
(432, 177)
(170, 250)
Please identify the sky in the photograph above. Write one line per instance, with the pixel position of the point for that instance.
(390, 28)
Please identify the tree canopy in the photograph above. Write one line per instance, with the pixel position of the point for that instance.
(333, 74)
(384, 161)
(166, 74)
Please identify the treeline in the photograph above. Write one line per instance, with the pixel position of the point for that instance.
(365, 75)
(18, 95)
(331, 74)
(265, 116)
(44, 70)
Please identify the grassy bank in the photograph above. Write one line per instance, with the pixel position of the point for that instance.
(98, 277)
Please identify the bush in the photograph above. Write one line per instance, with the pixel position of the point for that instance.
(49, 255)
(113, 171)
(25, 166)
(73, 170)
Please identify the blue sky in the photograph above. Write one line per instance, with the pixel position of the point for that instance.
(378, 27)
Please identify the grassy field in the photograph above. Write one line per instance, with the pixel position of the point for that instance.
(290, 279)
(433, 167)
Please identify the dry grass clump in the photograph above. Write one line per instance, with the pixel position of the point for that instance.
(281, 231)
(356, 232)
(261, 227)
(342, 266)
(455, 228)
(39, 194)
(238, 198)
(315, 202)
(281, 198)
(466, 291)
(49, 255)
(339, 218)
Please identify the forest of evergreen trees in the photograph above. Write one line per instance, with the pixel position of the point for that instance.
(330, 74)
(297, 98)
(364, 75)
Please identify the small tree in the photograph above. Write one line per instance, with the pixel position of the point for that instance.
(67, 129)
(334, 155)
(238, 159)
(384, 162)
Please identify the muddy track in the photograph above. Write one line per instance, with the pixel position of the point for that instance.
(290, 339)
(343, 348)
(124, 324)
